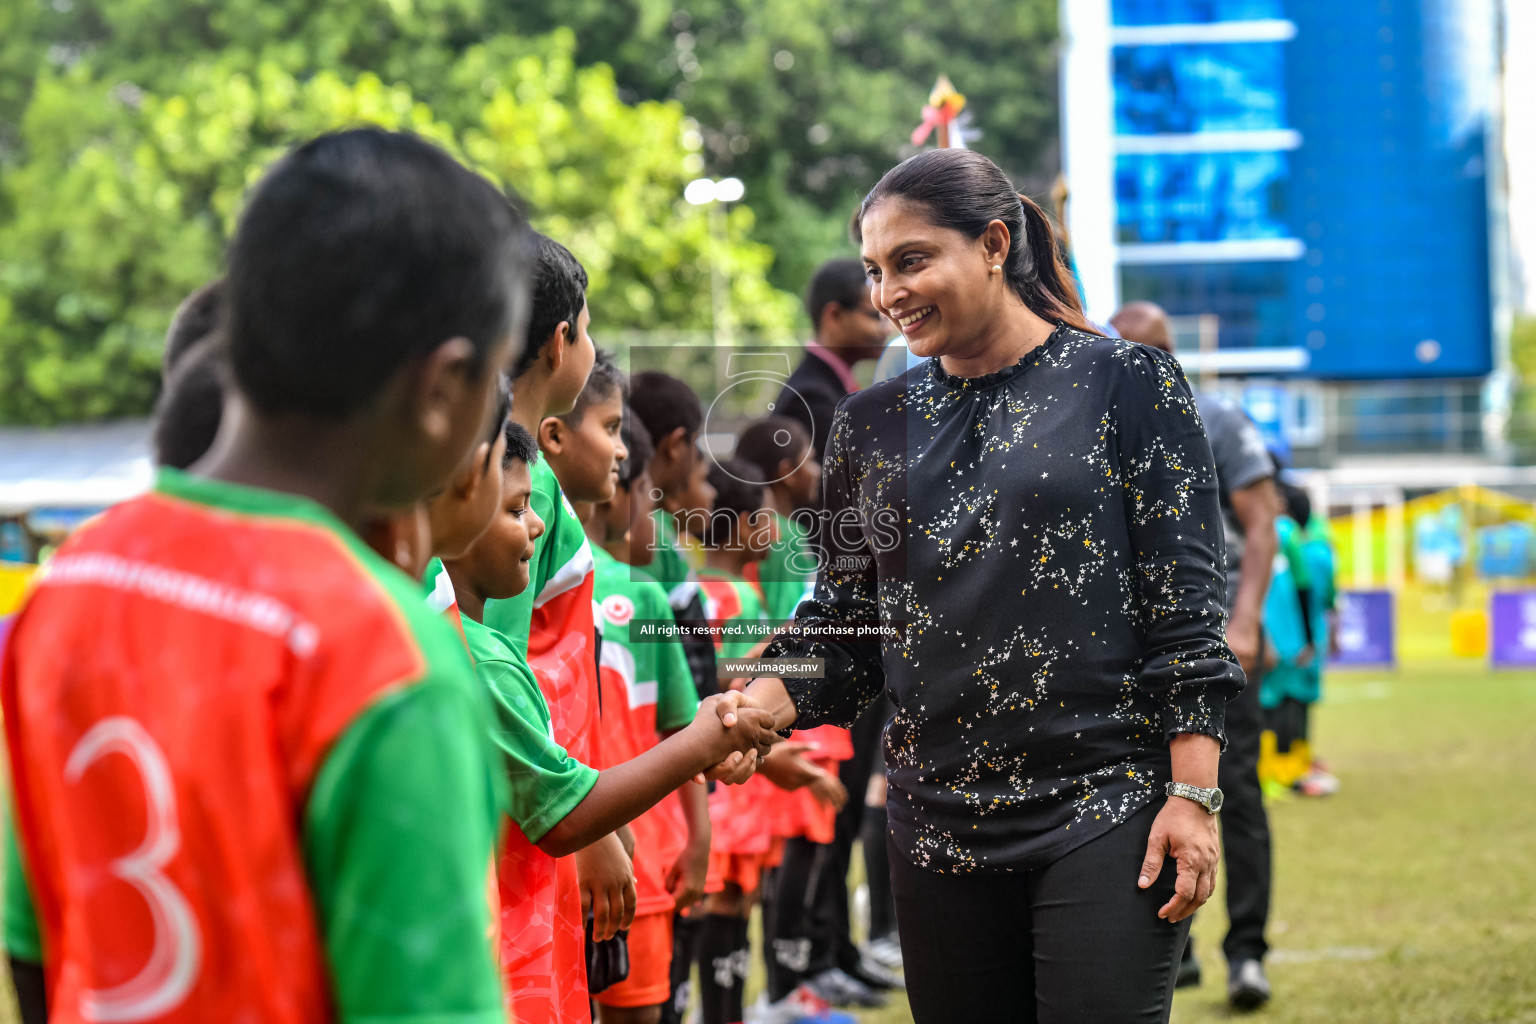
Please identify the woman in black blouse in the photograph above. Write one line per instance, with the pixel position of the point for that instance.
(1022, 544)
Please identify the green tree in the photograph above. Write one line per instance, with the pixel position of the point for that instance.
(120, 193)
(809, 103)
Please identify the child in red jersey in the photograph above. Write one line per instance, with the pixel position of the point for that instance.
(750, 821)
(557, 803)
(647, 692)
(304, 737)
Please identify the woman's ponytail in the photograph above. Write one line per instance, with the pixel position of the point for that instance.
(1049, 290)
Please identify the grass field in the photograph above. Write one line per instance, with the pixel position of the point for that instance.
(1409, 898)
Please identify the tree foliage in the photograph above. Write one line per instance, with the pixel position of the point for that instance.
(809, 103)
(130, 130)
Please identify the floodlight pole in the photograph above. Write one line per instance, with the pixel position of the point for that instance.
(719, 280)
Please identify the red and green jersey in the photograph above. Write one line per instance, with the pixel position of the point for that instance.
(251, 774)
(647, 691)
(552, 621)
(441, 597)
(552, 618)
(731, 600)
(785, 577)
(542, 942)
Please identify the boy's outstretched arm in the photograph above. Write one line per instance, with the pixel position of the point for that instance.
(725, 725)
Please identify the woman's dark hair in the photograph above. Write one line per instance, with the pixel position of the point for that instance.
(962, 190)
(357, 253)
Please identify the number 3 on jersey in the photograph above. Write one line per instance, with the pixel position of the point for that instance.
(164, 981)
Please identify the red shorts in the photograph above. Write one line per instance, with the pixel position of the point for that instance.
(744, 870)
(650, 965)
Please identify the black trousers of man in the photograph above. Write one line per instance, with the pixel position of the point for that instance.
(1245, 829)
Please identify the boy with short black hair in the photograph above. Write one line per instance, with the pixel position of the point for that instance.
(558, 803)
(265, 674)
(193, 376)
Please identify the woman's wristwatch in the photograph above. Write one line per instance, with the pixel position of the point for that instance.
(1210, 799)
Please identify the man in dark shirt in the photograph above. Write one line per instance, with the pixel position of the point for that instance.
(1245, 477)
(848, 330)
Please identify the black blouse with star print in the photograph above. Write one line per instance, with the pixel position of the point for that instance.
(1029, 562)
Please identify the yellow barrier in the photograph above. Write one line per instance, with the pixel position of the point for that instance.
(1469, 633)
(13, 585)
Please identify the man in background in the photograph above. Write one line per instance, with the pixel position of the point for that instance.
(1245, 475)
(848, 330)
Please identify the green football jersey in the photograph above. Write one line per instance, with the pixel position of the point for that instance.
(352, 763)
(544, 782)
(661, 670)
(669, 566)
(786, 574)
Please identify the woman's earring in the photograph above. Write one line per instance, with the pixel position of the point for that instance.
(997, 268)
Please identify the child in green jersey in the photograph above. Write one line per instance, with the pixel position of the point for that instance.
(780, 448)
(673, 416)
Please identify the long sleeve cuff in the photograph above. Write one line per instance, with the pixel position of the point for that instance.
(1195, 708)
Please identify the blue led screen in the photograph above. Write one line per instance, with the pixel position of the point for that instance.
(1387, 190)
(1200, 197)
(1199, 88)
(1178, 12)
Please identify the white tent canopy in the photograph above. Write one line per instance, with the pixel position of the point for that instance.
(90, 465)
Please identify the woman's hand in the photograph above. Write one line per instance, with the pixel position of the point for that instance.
(1184, 830)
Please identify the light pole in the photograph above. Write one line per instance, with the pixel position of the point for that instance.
(715, 194)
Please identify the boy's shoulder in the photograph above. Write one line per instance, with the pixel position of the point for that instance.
(490, 645)
(258, 559)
